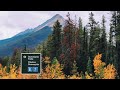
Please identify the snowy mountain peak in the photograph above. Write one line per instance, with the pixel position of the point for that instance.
(57, 16)
(51, 22)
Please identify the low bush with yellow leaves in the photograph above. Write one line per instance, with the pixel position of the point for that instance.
(101, 71)
(54, 71)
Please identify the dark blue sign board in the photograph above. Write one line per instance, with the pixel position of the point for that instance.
(31, 63)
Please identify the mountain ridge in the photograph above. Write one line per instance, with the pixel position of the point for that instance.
(51, 20)
(30, 37)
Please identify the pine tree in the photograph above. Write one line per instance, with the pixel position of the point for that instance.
(43, 50)
(113, 37)
(89, 66)
(74, 68)
(25, 50)
(110, 47)
(69, 45)
(1, 60)
(85, 49)
(94, 37)
(38, 48)
(80, 41)
(56, 40)
(49, 46)
(15, 59)
(117, 38)
(54, 61)
(92, 24)
(80, 24)
(5, 61)
(103, 40)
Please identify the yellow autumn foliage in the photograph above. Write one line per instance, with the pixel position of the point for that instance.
(75, 76)
(110, 72)
(54, 71)
(98, 66)
(14, 73)
(87, 76)
(46, 59)
(102, 72)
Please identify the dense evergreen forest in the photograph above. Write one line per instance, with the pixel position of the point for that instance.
(74, 46)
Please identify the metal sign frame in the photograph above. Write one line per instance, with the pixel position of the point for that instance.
(40, 64)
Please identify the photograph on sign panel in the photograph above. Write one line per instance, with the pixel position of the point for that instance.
(59, 44)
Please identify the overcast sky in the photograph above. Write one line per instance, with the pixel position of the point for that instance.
(13, 22)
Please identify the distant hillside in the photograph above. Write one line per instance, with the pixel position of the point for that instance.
(29, 37)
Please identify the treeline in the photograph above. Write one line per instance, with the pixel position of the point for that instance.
(75, 45)
(15, 58)
(54, 70)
